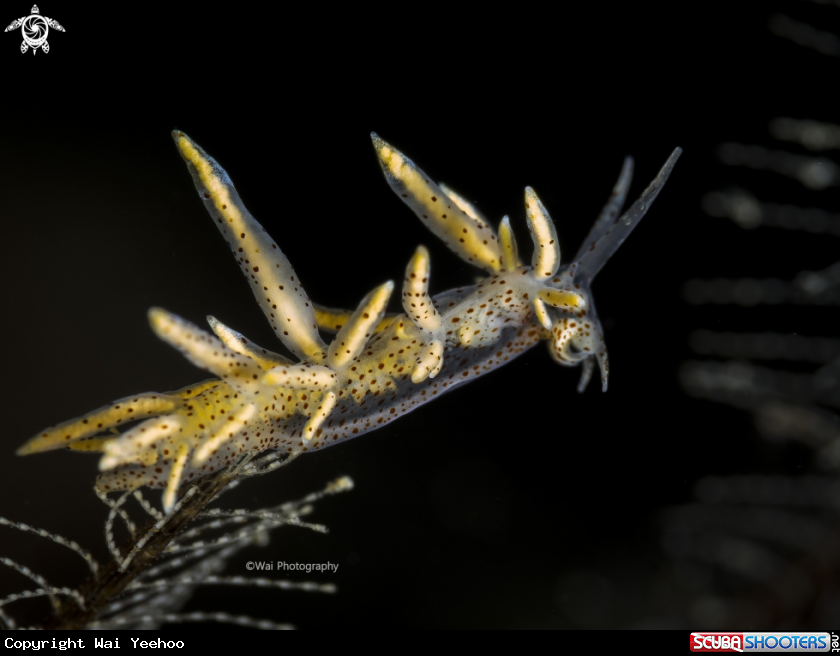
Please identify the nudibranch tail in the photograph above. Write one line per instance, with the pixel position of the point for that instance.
(275, 283)
(121, 411)
(470, 237)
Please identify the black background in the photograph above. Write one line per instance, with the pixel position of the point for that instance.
(469, 511)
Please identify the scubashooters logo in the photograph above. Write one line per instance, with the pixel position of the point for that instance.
(34, 29)
(761, 642)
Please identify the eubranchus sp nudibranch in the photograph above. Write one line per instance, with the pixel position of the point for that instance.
(378, 366)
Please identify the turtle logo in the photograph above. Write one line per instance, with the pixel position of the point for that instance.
(34, 29)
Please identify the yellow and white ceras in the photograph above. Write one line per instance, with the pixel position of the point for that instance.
(378, 366)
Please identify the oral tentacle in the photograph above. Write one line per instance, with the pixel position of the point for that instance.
(603, 365)
(587, 367)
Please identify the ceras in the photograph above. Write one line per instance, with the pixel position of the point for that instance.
(378, 366)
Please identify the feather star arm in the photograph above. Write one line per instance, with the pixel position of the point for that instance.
(378, 366)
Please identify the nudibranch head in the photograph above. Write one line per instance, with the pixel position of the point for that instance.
(576, 334)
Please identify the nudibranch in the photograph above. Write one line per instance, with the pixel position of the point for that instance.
(378, 366)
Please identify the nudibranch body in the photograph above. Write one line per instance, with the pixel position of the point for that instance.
(378, 366)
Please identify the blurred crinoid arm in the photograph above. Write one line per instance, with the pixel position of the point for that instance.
(786, 404)
(804, 34)
(755, 549)
(772, 540)
(166, 557)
